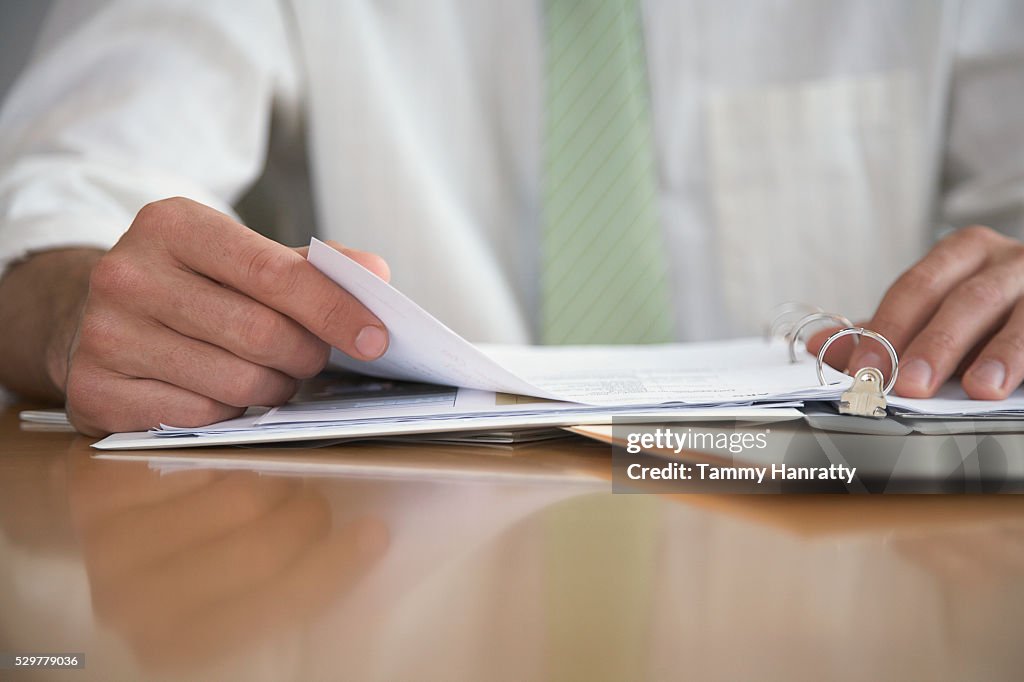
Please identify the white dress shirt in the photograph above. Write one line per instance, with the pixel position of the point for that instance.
(807, 150)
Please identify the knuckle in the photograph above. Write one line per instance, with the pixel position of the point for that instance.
(161, 214)
(276, 390)
(888, 325)
(204, 410)
(1009, 344)
(94, 408)
(339, 310)
(82, 406)
(1016, 255)
(923, 277)
(984, 292)
(260, 333)
(288, 388)
(115, 275)
(272, 271)
(96, 335)
(246, 386)
(940, 340)
(974, 234)
(150, 215)
(274, 341)
(311, 362)
(259, 386)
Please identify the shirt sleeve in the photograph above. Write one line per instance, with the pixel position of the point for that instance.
(131, 101)
(983, 176)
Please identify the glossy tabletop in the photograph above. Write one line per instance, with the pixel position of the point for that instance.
(410, 562)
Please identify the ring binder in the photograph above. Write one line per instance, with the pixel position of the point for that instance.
(783, 317)
(861, 331)
(866, 397)
(794, 335)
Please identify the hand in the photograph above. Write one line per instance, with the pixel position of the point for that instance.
(192, 317)
(960, 310)
(198, 565)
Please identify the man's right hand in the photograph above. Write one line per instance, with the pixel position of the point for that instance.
(192, 317)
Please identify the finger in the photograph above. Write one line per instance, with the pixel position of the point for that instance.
(999, 368)
(201, 309)
(273, 274)
(972, 355)
(218, 571)
(138, 348)
(101, 402)
(369, 260)
(911, 301)
(970, 312)
(142, 536)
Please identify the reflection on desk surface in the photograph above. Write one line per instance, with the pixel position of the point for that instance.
(233, 574)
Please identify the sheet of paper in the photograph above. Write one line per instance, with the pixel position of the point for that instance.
(951, 400)
(739, 370)
(443, 401)
(421, 347)
(424, 349)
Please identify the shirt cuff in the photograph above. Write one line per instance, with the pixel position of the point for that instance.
(23, 237)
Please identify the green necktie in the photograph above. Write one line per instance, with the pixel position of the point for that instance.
(604, 275)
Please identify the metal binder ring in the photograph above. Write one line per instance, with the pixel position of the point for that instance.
(794, 334)
(860, 331)
(783, 318)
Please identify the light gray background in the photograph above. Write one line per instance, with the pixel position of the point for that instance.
(19, 24)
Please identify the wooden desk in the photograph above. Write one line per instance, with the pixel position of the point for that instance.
(451, 563)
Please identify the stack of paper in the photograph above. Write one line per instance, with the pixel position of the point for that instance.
(463, 387)
(951, 402)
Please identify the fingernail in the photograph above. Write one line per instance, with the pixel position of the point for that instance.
(870, 359)
(371, 342)
(989, 372)
(916, 372)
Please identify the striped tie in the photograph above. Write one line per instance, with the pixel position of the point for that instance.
(604, 275)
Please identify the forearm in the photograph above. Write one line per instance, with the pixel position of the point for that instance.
(40, 302)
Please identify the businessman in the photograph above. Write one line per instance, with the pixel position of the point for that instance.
(557, 171)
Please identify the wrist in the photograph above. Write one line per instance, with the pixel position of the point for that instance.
(41, 302)
(57, 353)
(68, 299)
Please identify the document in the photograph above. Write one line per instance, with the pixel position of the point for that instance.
(423, 349)
(460, 387)
(713, 373)
(247, 430)
(952, 401)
